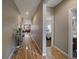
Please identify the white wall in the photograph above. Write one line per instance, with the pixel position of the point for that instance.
(27, 21)
(44, 32)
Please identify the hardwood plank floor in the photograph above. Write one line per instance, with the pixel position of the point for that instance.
(53, 53)
(27, 54)
(29, 51)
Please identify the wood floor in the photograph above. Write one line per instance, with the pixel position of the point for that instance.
(28, 51)
(53, 53)
(27, 54)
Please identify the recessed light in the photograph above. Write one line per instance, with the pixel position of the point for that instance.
(74, 17)
(27, 12)
(49, 27)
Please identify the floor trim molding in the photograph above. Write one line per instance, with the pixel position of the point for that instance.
(11, 54)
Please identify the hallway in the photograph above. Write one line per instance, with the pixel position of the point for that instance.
(32, 29)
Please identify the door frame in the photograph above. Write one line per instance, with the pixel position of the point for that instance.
(70, 36)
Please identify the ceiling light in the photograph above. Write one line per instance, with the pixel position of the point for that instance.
(49, 27)
(74, 17)
(27, 12)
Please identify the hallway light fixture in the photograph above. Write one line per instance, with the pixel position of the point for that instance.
(49, 27)
(27, 12)
(74, 17)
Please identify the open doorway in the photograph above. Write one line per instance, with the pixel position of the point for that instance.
(49, 31)
(48, 37)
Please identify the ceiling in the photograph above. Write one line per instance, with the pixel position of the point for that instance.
(53, 3)
(29, 6)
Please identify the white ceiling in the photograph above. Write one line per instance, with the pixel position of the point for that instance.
(31, 5)
(53, 3)
(27, 5)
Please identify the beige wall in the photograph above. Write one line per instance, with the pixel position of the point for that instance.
(37, 21)
(61, 23)
(9, 20)
(50, 11)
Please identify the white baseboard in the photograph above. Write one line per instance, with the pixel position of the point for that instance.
(11, 54)
(64, 53)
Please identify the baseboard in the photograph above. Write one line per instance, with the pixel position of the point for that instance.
(64, 53)
(11, 54)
